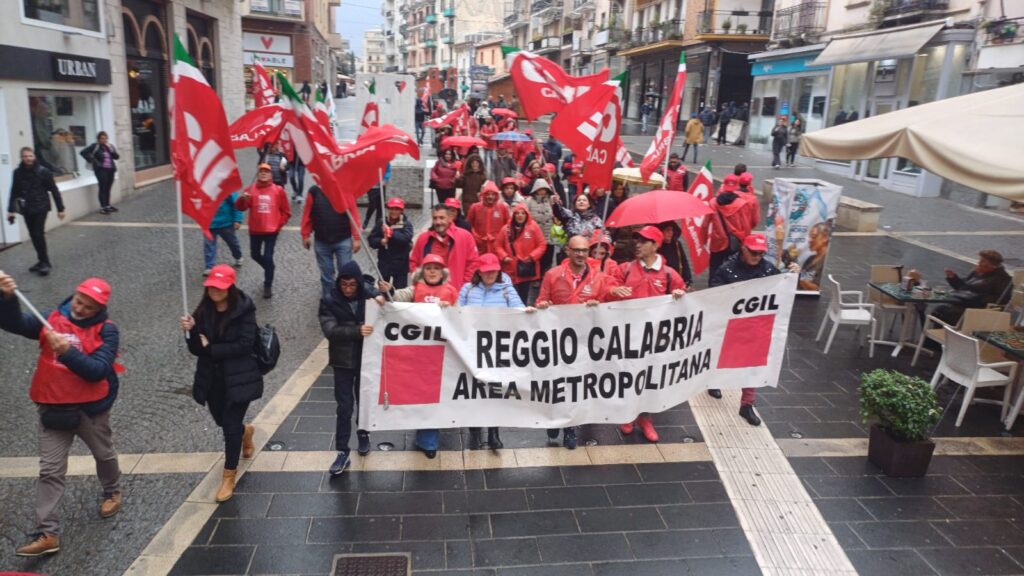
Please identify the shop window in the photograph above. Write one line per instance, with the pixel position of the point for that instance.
(146, 59)
(849, 82)
(768, 105)
(81, 14)
(924, 85)
(63, 123)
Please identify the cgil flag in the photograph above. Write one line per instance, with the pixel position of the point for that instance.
(262, 88)
(543, 86)
(592, 125)
(201, 148)
(623, 157)
(456, 117)
(371, 117)
(258, 127)
(662, 141)
(697, 229)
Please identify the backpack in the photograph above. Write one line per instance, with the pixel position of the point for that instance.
(267, 348)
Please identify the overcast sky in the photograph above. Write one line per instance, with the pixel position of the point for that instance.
(356, 17)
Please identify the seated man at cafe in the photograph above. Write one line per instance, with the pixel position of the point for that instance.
(987, 284)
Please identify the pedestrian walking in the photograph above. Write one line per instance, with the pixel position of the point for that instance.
(102, 158)
(504, 165)
(747, 264)
(74, 388)
(796, 130)
(552, 150)
(471, 180)
(489, 288)
(723, 122)
(510, 192)
(693, 133)
(392, 239)
(646, 109)
(539, 205)
(421, 114)
(458, 217)
(296, 171)
(708, 118)
(270, 212)
(225, 224)
(278, 163)
(779, 134)
(343, 321)
(31, 189)
(601, 250)
(442, 175)
(332, 240)
(221, 333)
(746, 192)
(520, 248)
(487, 218)
(455, 245)
(646, 276)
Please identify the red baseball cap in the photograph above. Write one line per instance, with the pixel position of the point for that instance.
(95, 288)
(651, 233)
(746, 178)
(489, 263)
(263, 166)
(396, 203)
(433, 259)
(549, 167)
(221, 276)
(453, 203)
(756, 242)
(730, 183)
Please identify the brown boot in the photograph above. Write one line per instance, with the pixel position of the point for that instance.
(42, 545)
(248, 448)
(111, 505)
(227, 486)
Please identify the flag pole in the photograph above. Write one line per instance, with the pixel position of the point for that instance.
(380, 185)
(181, 251)
(24, 300)
(369, 254)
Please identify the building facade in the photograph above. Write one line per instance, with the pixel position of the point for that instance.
(374, 60)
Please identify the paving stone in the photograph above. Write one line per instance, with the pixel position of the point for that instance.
(773, 414)
(376, 503)
(599, 475)
(898, 534)
(707, 491)
(533, 523)
(1013, 465)
(316, 424)
(694, 566)
(260, 531)
(480, 526)
(555, 570)
(699, 516)
(483, 501)
(846, 537)
(648, 494)
(278, 482)
(573, 497)
(416, 481)
(843, 486)
(954, 465)
(811, 467)
(957, 561)
(989, 485)
(425, 555)
(983, 507)
(677, 471)
(721, 566)
(689, 543)
(244, 506)
(906, 508)
(927, 486)
(889, 562)
(842, 510)
(584, 548)
(355, 529)
(823, 429)
(981, 532)
(619, 519)
(523, 477)
(297, 442)
(363, 482)
(316, 504)
(305, 559)
(856, 466)
(506, 552)
(213, 560)
(435, 527)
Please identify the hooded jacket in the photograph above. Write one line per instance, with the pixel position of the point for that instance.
(471, 182)
(694, 131)
(501, 294)
(557, 285)
(677, 179)
(227, 214)
(462, 253)
(487, 222)
(442, 175)
(521, 243)
(340, 318)
(675, 255)
(30, 188)
(733, 210)
(420, 291)
(270, 208)
(753, 206)
(228, 360)
(541, 212)
(395, 256)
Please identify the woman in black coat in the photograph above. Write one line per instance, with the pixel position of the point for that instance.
(101, 156)
(222, 334)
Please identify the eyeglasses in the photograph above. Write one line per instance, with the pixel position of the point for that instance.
(578, 250)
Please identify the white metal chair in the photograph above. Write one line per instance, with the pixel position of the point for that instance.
(857, 314)
(886, 307)
(973, 320)
(961, 363)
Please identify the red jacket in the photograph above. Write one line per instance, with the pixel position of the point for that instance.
(462, 253)
(270, 208)
(529, 243)
(55, 383)
(445, 292)
(487, 222)
(647, 282)
(753, 207)
(676, 179)
(575, 170)
(443, 174)
(736, 217)
(488, 130)
(556, 287)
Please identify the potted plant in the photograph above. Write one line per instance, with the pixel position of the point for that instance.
(727, 25)
(741, 28)
(903, 411)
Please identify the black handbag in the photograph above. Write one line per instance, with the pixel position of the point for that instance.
(525, 269)
(60, 417)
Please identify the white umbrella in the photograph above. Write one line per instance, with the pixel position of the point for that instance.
(632, 176)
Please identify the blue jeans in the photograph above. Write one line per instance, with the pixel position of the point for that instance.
(427, 439)
(261, 247)
(686, 148)
(298, 178)
(330, 258)
(210, 246)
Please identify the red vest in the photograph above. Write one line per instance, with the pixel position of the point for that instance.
(435, 294)
(53, 382)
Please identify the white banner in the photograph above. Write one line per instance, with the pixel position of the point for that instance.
(274, 43)
(274, 60)
(432, 367)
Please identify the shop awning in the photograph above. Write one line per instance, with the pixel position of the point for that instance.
(972, 139)
(877, 45)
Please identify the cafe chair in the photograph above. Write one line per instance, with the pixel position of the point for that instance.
(961, 362)
(886, 307)
(857, 314)
(973, 320)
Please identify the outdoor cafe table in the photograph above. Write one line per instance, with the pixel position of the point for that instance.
(1012, 343)
(909, 299)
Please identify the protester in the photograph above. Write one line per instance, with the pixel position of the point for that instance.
(572, 170)
(489, 288)
(74, 387)
(270, 213)
(730, 223)
(101, 156)
(31, 188)
(708, 118)
(796, 130)
(376, 198)
(488, 128)
(532, 170)
(779, 135)
(601, 250)
(988, 283)
(510, 192)
(552, 150)
(745, 191)
(748, 264)
(693, 135)
(221, 333)
(527, 151)
(455, 245)
(343, 322)
(644, 277)
(471, 180)
(504, 165)
(582, 220)
(297, 176)
(539, 205)
(487, 218)
(420, 113)
(676, 178)
(520, 248)
(393, 241)
(226, 221)
(278, 163)
(603, 203)
(442, 175)
(673, 252)
(458, 218)
(551, 175)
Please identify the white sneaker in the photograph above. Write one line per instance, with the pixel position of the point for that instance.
(206, 272)
(238, 262)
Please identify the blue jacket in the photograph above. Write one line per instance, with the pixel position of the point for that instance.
(227, 214)
(501, 294)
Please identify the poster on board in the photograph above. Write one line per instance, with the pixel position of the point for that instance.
(801, 215)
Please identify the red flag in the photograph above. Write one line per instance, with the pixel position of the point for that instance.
(262, 88)
(544, 87)
(622, 156)
(697, 229)
(592, 124)
(658, 151)
(452, 117)
(371, 117)
(201, 150)
(357, 165)
(258, 127)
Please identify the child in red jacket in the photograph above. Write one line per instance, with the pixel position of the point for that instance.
(270, 212)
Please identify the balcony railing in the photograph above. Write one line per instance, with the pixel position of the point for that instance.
(1004, 31)
(904, 7)
(736, 22)
(431, 18)
(668, 30)
(580, 6)
(448, 12)
(449, 39)
(804, 18)
(541, 6)
(290, 9)
(430, 42)
(611, 37)
(543, 44)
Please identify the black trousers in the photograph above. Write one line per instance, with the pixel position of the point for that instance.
(231, 419)
(723, 128)
(443, 195)
(105, 181)
(36, 224)
(399, 277)
(346, 394)
(776, 151)
(375, 208)
(791, 152)
(261, 248)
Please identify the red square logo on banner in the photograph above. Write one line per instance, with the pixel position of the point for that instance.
(411, 374)
(747, 342)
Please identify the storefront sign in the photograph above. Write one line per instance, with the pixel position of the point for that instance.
(273, 43)
(276, 60)
(801, 214)
(28, 64)
(73, 68)
(786, 66)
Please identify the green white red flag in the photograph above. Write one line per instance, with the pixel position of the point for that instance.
(658, 151)
(201, 149)
(697, 231)
(543, 86)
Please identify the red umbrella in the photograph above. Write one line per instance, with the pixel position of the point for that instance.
(462, 142)
(657, 206)
(503, 112)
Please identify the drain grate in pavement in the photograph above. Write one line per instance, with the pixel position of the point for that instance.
(372, 565)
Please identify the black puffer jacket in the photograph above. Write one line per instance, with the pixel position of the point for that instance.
(340, 318)
(734, 269)
(229, 358)
(93, 154)
(30, 188)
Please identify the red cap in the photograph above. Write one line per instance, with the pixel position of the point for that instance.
(651, 233)
(746, 178)
(730, 183)
(756, 242)
(95, 288)
(221, 276)
(528, 132)
(396, 203)
(433, 259)
(453, 203)
(510, 180)
(549, 168)
(263, 166)
(489, 263)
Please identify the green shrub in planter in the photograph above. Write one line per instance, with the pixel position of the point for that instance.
(904, 406)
